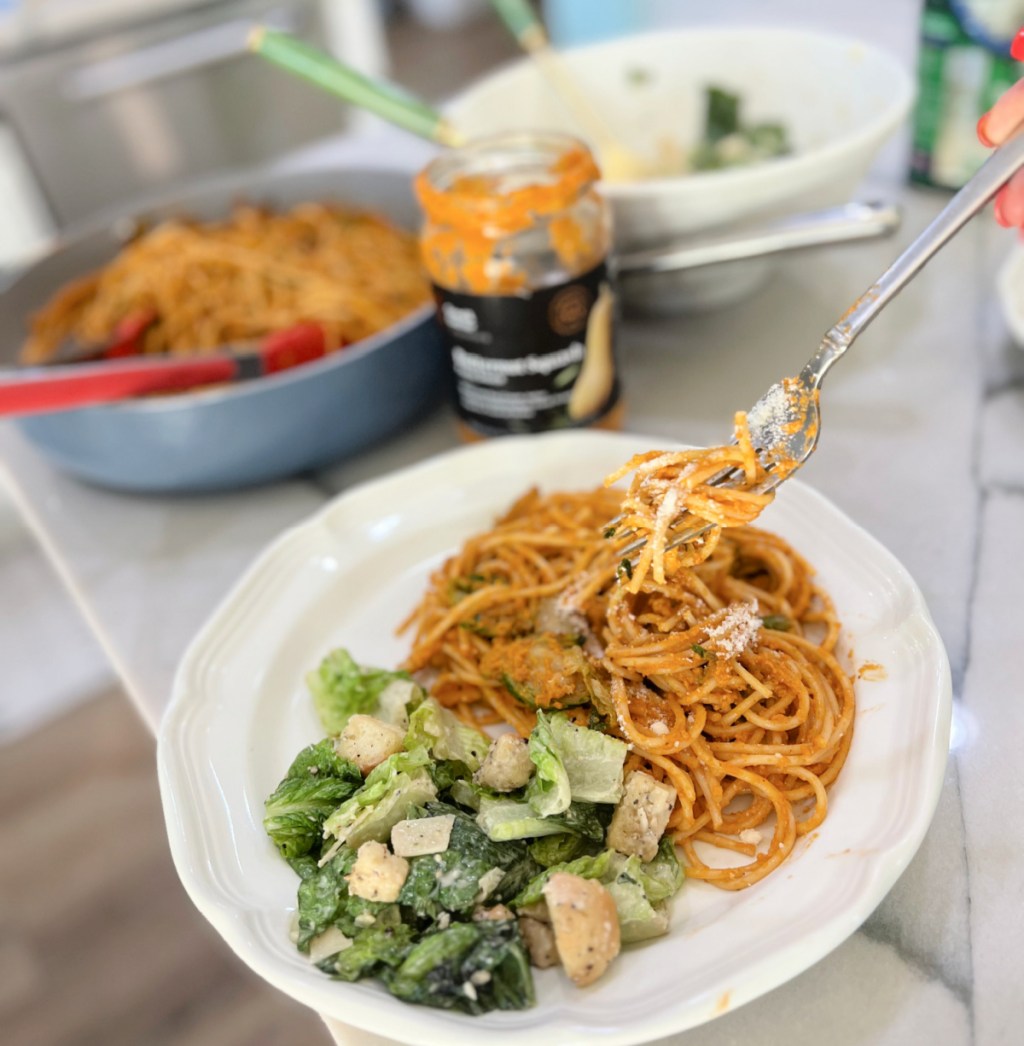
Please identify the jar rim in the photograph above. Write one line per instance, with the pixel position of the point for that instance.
(450, 186)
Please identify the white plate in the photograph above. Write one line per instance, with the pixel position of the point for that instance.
(348, 576)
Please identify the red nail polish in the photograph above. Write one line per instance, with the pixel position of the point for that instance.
(982, 136)
(1017, 47)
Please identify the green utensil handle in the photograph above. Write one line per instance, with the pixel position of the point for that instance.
(385, 99)
(522, 21)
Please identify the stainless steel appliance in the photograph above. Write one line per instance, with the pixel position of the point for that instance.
(158, 96)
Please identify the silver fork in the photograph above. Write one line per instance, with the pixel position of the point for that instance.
(785, 422)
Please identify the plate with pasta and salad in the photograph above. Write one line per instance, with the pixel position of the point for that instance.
(447, 761)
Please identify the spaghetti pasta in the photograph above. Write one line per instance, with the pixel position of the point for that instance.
(208, 285)
(716, 663)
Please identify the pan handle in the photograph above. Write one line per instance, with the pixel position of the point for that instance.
(851, 221)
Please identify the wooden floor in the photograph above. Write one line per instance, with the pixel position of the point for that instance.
(99, 945)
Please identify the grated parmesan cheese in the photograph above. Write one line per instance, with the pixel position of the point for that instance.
(770, 417)
(735, 630)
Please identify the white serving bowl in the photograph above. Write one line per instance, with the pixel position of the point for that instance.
(838, 97)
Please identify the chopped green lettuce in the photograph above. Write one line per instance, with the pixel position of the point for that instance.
(472, 967)
(391, 790)
(395, 701)
(596, 867)
(548, 792)
(660, 878)
(322, 897)
(573, 764)
(641, 889)
(448, 774)
(593, 761)
(639, 920)
(557, 849)
(374, 949)
(445, 736)
(504, 819)
(341, 688)
(469, 794)
(317, 782)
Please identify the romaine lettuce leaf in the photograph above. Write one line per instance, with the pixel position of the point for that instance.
(593, 761)
(341, 688)
(317, 782)
(469, 794)
(661, 878)
(573, 764)
(504, 819)
(640, 891)
(557, 849)
(548, 792)
(374, 949)
(391, 790)
(596, 867)
(396, 700)
(639, 920)
(449, 774)
(322, 896)
(445, 736)
(473, 967)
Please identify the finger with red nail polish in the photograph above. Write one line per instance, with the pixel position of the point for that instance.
(1009, 203)
(997, 208)
(1004, 117)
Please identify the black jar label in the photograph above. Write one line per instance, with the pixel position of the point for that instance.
(533, 362)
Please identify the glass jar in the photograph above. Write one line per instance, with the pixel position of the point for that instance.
(516, 243)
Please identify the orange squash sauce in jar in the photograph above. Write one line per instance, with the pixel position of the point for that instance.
(516, 241)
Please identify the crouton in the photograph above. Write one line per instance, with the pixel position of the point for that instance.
(496, 913)
(540, 942)
(585, 924)
(507, 765)
(377, 875)
(641, 816)
(367, 742)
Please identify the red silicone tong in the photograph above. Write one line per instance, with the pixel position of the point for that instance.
(118, 374)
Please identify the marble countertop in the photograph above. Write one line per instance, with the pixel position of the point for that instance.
(923, 444)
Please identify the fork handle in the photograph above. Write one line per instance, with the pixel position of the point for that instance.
(990, 178)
